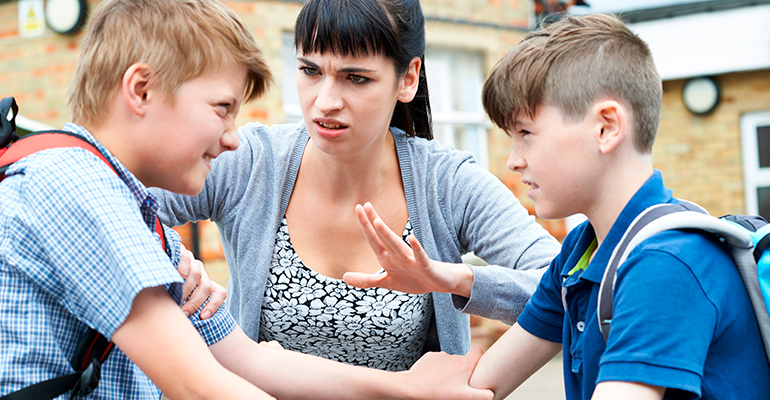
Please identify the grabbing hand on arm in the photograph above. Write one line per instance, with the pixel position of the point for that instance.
(291, 375)
(198, 287)
(166, 347)
(407, 269)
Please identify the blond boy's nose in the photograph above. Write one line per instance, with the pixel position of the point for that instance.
(229, 140)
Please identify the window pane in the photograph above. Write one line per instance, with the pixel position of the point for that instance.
(763, 146)
(763, 201)
(289, 95)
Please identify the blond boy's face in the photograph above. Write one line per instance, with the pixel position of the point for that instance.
(554, 158)
(196, 128)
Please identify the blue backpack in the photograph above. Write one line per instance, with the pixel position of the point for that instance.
(745, 235)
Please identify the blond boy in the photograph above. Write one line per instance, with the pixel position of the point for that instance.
(580, 99)
(156, 91)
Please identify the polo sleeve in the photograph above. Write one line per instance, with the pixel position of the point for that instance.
(662, 324)
(93, 252)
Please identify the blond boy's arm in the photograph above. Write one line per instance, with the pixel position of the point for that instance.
(158, 338)
(291, 375)
(627, 391)
(511, 360)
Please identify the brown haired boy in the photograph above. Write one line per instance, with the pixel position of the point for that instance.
(156, 92)
(581, 98)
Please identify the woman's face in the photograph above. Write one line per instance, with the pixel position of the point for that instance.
(347, 101)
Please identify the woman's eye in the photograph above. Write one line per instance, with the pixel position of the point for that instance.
(358, 79)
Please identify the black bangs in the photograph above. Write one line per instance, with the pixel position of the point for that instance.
(346, 28)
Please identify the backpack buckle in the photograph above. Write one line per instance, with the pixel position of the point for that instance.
(8, 111)
(89, 379)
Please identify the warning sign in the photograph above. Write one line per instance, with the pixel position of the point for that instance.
(31, 18)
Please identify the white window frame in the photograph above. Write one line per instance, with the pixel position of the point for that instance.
(442, 64)
(289, 97)
(754, 177)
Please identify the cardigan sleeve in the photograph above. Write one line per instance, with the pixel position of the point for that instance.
(492, 223)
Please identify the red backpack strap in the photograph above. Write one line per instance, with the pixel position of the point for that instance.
(36, 142)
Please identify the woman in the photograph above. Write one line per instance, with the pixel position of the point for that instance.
(285, 203)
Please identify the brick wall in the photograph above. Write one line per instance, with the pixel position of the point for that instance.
(700, 156)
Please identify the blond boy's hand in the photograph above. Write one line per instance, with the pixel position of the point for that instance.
(438, 375)
(407, 269)
(198, 287)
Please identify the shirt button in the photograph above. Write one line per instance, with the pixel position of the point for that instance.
(580, 326)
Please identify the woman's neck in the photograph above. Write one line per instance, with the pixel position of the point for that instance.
(352, 178)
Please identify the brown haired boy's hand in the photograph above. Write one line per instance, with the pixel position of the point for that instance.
(407, 269)
(198, 287)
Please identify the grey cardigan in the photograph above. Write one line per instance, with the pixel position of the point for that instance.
(454, 206)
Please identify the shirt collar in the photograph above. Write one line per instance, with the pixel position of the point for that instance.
(652, 192)
(137, 188)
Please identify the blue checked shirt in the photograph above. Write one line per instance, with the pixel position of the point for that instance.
(75, 249)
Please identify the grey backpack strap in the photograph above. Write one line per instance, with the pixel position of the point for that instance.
(646, 224)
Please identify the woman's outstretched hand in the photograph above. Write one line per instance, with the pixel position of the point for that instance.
(407, 269)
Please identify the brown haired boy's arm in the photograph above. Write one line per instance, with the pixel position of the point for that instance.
(292, 375)
(160, 340)
(511, 360)
(627, 390)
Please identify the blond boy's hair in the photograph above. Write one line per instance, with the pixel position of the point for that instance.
(572, 63)
(178, 39)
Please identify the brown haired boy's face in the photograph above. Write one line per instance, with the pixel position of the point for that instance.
(194, 129)
(554, 158)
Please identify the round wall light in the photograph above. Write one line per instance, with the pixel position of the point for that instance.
(701, 95)
(65, 16)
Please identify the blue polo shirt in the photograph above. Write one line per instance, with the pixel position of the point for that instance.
(681, 317)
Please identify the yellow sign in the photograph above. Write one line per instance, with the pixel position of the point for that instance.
(31, 18)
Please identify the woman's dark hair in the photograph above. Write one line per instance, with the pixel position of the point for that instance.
(393, 28)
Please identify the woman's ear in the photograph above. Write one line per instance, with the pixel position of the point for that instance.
(135, 87)
(410, 81)
(613, 125)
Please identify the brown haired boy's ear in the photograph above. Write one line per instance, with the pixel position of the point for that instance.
(613, 125)
(135, 87)
(410, 81)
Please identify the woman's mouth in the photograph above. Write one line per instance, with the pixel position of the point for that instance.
(331, 126)
(330, 130)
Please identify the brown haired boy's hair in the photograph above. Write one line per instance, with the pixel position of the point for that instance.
(572, 63)
(178, 39)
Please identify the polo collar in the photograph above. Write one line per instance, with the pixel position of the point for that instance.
(652, 192)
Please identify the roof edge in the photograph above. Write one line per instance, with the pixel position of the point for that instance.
(679, 10)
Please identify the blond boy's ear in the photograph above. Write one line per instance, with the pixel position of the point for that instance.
(613, 125)
(410, 81)
(135, 87)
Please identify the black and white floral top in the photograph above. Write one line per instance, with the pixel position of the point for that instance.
(315, 314)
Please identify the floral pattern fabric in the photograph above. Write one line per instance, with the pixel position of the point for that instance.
(315, 314)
